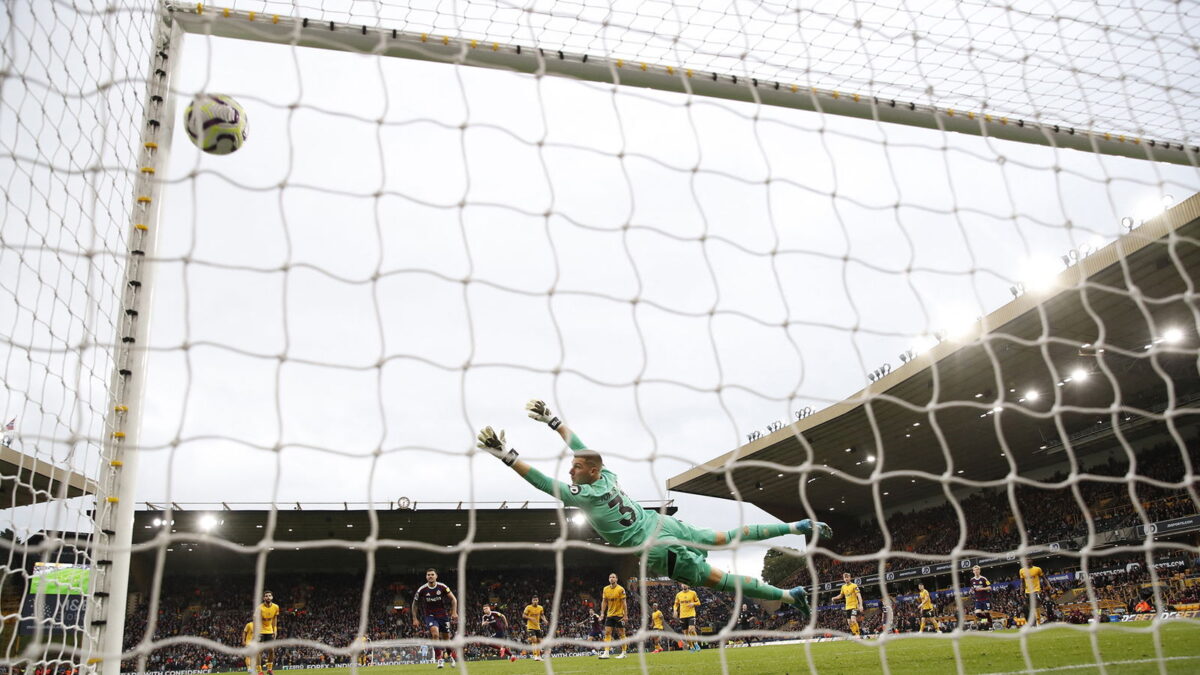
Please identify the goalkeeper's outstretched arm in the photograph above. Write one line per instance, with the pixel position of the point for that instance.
(494, 443)
(540, 412)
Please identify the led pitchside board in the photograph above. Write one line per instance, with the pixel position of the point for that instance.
(56, 599)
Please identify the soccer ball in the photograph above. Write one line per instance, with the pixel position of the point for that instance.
(216, 123)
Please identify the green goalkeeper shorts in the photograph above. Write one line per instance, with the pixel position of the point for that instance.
(670, 556)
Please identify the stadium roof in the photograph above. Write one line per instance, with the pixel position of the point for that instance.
(320, 537)
(964, 399)
(25, 480)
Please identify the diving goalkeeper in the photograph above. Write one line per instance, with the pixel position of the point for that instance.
(623, 522)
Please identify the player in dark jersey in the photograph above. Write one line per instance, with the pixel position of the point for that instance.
(595, 624)
(497, 624)
(982, 590)
(435, 606)
(746, 620)
(887, 616)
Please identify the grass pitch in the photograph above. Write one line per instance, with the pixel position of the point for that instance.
(1122, 648)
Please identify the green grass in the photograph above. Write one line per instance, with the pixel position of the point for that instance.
(1068, 650)
(63, 581)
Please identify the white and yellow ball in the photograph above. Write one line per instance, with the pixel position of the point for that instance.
(215, 123)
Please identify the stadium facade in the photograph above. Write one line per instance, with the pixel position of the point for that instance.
(1110, 350)
(214, 539)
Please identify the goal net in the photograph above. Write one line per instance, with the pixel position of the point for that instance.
(946, 247)
(73, 80)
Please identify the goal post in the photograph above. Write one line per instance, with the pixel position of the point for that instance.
(117, 490)
(680, 77)
(78, 161)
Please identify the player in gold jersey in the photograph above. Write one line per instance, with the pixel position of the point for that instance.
(686, 602)
(535, 617)
(268, 630)
(612, 608)
(926, 607)
(1031, 583)
(247, 638)
(656, 622)
(363, 644)
(854, 602)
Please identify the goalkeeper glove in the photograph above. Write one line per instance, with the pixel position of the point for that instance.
(800, 600)
(805, 527)
(493, 444)
(538, 410)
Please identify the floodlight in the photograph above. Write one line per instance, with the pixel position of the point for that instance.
(1032, 395)
(207, 522)
(1172, 335)
(957, 322)
(578, 519)
(1079, 374)
(1039, 274)
(1150, 207)
(923, 343)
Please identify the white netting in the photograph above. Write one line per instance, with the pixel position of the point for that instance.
(1111, 67)
(72, 80)
(405, 251)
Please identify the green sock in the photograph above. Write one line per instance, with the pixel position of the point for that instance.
(752, 588)
(748, 533)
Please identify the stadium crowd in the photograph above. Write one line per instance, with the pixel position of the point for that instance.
(1119, 585)
(329, 609)
(1047, 514)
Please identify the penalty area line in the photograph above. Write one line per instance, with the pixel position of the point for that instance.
(1106, 664)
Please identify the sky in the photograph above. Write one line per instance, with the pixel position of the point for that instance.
(404, 252)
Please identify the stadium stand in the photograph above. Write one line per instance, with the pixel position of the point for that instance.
(326, 608)
(1050, 515)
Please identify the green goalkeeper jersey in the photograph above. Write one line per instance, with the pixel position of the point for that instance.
(614, 516)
